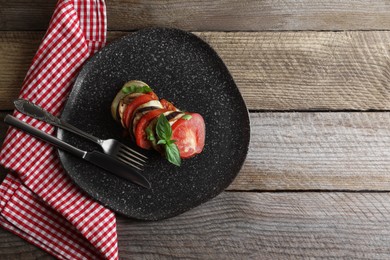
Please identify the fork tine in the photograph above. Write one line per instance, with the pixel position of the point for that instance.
(129, 163)
(124, 147)
(128, 158)
(130, 154)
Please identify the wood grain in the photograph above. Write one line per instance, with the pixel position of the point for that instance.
(308, 70)
(243, 225)
(13, 247)
(284, 56)
(267, 226)
(310, 151)
(313, 151)
(3, 126)
(223, 15)
(3, 131)
(17, 50)
(274, 70)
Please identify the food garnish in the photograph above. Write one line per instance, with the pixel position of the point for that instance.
(158, 124)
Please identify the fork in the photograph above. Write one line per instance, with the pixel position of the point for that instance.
(111, 147)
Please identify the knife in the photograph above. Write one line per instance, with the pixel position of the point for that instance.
(99, 159)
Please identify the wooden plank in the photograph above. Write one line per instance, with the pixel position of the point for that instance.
(310, 151)
(313, 151)
(224, 15)
(274, 70)
(3, 126)
(257, 225)
(267, 226)
(17, 50)
(13, 247)
(308, 70)
(3, 130)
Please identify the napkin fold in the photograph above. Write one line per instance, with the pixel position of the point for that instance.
(38, 201)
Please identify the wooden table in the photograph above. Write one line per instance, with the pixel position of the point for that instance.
(316, 78)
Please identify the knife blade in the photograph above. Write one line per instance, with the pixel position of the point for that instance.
(99, 159)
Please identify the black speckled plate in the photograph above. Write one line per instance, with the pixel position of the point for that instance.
(181, 68)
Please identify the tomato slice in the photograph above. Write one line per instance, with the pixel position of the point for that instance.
(129, 110)
(189, 135)
(140, 130)
(168, 105)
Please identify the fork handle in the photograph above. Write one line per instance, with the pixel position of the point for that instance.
(28, 108)
(13, 121)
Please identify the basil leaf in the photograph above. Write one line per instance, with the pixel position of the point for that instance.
(136, 89)
(129, 89)
(164, 133)
(125, 90)
(149, 134)
(162, 142)
(145, 89)
(172, 154)
(171, 141)
(186, 117)
(163, 128)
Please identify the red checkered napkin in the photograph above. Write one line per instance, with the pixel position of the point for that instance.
(38, 201)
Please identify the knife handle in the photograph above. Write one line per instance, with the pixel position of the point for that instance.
(13, 121)
(30, 109)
